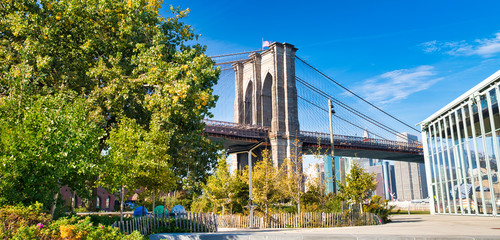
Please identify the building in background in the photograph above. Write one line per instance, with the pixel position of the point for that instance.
(462, 152)
(386, 185)
(314, 172)
(411, 182)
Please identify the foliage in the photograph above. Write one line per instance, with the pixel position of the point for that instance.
(359, 185)
(291, 178)
(333, 203)
(18, 222)
(77, 228)
(182, 198)
(169, 226)
(120, 60)
(202, 204)
(314, 198)
(380, 207)
(14, 217)
(265, 176)
(105, 220)
(225, 190)
(52, 141)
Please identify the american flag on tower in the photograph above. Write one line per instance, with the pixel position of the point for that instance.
(265, 44)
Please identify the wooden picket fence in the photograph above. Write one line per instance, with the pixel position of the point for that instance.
(190, 222)
(303, 220)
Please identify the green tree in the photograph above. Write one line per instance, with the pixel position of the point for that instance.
(314, 198)
(126, 61)
(51, 142)
(291, 178)
(359, 185)
(122, 159)
(265, 180)
(224, 189)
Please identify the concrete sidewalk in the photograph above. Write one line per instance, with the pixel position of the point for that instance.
(402, 227)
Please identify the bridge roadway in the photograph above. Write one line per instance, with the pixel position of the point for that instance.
(239, 137)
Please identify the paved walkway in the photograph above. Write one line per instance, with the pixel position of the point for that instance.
(402, 227)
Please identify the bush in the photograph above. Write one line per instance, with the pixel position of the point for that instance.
(19, 218)
(106, 220)
(172, 228)
(18, 222)
(201, 204)
(379, 207)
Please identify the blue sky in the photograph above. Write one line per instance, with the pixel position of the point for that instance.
(409, 57)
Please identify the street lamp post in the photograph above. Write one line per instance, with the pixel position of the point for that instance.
(331, 111)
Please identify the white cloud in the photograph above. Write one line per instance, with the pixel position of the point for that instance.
(486, 47)
(397, 85)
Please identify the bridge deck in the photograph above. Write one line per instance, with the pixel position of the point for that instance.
(239, 137)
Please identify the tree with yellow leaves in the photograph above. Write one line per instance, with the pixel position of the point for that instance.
(124, 61)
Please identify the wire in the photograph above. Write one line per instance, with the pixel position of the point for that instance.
(340, 117)
(347, 107)
(340, 85)
(233, 54)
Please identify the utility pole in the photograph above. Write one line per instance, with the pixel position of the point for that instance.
(250, 183)
(331, 111)
(250, 188)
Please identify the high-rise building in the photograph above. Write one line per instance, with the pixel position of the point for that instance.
(410, 177)
(410, 180)
(384, 174)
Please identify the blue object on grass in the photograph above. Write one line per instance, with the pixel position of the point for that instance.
(138, 211)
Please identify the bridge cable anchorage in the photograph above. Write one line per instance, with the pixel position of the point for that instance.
(348, 108)
(341, 118)
(340, 85)
(234, 54)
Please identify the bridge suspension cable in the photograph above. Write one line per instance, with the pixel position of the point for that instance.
(347, 107)
(355, 120)
(354, 94)
(234, 54)
(325, 110)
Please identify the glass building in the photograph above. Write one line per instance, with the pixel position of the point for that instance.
(462, 152)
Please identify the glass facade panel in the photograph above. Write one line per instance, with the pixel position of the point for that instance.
(464, 154)
(496, 174)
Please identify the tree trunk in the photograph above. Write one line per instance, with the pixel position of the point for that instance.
(53, 208)
(153, 203)
(165, 206)
(267, 216)
(93, 200)
(298, 206)
(122, 192)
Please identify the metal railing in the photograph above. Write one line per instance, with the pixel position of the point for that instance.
(235, 129)
(341, 140)
(260, 132)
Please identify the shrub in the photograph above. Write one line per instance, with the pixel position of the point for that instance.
(379, 207)
(15, 218)
(106, 220)
(172, 228)
(18, 222)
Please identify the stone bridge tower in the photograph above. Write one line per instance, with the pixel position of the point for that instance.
(266, 95)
